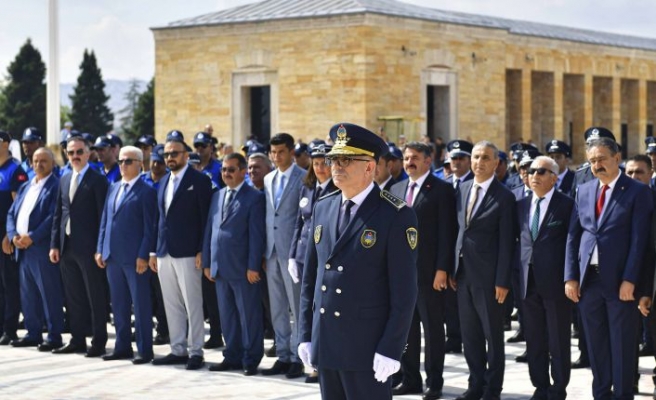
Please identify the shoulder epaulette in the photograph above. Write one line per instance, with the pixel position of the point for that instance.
(393, 200)
(325, 196)
(583, 166)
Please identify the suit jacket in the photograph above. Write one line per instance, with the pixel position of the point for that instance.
(129, 231)
(450, 179)
(520, 192)
(85, 212)
(567, 184)
(359, 291)
(389, 184)
(435, 208)
(181, 230)
(235, 244)
(303, 228)
(547, 253)
(280, 222)
(40, 222)
(488, 243)
(621, 235)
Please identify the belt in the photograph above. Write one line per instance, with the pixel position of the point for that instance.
(595, 267)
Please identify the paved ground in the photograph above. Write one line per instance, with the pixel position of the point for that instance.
(28, 374)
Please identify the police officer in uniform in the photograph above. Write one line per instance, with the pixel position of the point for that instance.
(561, 153)
(650, 142)
(360, 282)
(104, 145)
(208, 165)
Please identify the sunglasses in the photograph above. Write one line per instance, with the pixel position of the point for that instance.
(126, 161)
(539, 171)
(77, 152)
(171, 154)
(201, 145)
(229, 170)
(342, 162)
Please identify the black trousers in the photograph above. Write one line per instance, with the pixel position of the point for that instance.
(211, 307)
(158, 305)
(352, 385)
(9, 295)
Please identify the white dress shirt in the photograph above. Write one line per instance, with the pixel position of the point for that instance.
(594, 259)
(418, 182)
(544, 204)
(484, 187)
(29, 201)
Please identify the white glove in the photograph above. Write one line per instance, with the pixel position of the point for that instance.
(292, 267)
(304, 350)
(384, 367)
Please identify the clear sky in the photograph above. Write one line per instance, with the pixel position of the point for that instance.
(118, 30)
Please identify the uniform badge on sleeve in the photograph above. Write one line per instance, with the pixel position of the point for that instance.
(412, 236)
(368, 238)
(304, 202)
(317, 233)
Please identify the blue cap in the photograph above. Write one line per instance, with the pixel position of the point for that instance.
(300, 148)
(146, 140)
(5, 136)
(103, 141)
(517, 149)
(528, 156)
(319, 148)
(175, 136)
(202, 138)
(558, 146)
(69, 136)
(650, 141)
(31, 134)
(597, 132)
(194, 158)
(353, 140)
(459, 148)
(255, 147)
(158, 153)
(503, 156)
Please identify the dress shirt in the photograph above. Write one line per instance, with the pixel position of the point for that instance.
(418, 183)
(481, 194)
(29, 201)
(594, 259)
(543, 205)
(382, 185)
(358, 199)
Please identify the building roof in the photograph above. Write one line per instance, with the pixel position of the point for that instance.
(269, 10)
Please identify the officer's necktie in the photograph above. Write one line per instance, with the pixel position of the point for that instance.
(535, 223)
(226, 204)
(279, 190)
(456, 183)
(473, 198)
(601, 201)
(410, 196)
(346, 218)
(170, 190)
(317, 194)
(121, 195)
(71, 193)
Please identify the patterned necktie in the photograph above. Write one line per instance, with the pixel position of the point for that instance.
(71, 195)
(346, 218)
(601, 201)
(226, 203)
(120, 196)
(279, 190)
(410, 196)
(535, 223)
(472, 202)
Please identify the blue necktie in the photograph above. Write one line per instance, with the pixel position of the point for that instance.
(279, 189)
(226, 203)
(535, 223)
(121, 195)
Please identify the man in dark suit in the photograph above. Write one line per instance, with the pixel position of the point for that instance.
(561, 153)
(605, 249)
(126, 239)
(383, 176)
(543, 220)
(183, 199)
(74, 237)
(233, 250)
(433, 201)
(360, 280)
(484, 254)
(29, 223)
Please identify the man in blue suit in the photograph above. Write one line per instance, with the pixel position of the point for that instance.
(543, 225)
(360, 278)
(183, 199)
(282, 188)
(126, 239)
(29, 223)
(233, 251)
(605, 248)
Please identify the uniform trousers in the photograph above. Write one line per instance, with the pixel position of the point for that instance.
(9, 295)
(183, 302)
(352, 385)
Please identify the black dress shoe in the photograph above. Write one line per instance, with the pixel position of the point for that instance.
(575, 333)
(117, 356)
(506, 326)
(405, 389)
(296, 370)
(6, 339)
(250, 371)
(194, 363)
(313, 377)
(517, 337)
(47, 346)
(279, 367)
(224, 366)
(213, 343)
(171, 359)
(271, 351)
(138, 360)
(645, 350)
(451, 346)
(470, 395)
(24, 342)
(432, 394)
(581, 363)
(95, 352)
(161, 339)
(70, 348)
(654, 395)
(523, 358)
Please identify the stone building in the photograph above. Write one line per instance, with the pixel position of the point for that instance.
(299, 66)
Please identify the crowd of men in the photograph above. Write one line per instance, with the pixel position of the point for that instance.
(162, 231)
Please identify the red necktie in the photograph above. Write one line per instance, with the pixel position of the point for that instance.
(601, 201)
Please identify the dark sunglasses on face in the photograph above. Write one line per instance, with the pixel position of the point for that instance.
(126, 161)
(78, 152)
(229, 170)
(539, 171)
(201, 145)
(171, 154)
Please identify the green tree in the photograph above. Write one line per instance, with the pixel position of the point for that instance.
(23, 99)
(64, 115)
(89, 110)
(143, 122)
(127, 113)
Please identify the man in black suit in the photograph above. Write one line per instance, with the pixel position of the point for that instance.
(484, 253)
(75, 229)
(543, 225)
(433, 200)
(561, 153)
(383, 177)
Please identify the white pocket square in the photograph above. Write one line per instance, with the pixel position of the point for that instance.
(190, 188)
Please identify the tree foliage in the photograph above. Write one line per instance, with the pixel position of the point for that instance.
(89, 110)
(143, 122)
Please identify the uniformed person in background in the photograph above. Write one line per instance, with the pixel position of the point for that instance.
(302, 155)
(650, 142)
(561, 153)
(104, 146)
(360, 281)
(394, 159)
(208, 165)
(157, 167)
(31, 140)
(146, 143)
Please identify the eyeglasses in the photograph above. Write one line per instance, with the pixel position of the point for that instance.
(539, 171)
(78, 152)
(229, 170)
(342, 162)
(171, 154)
(201, 145)
(127, 161)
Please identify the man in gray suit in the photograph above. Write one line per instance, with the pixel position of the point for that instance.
(282, 187)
